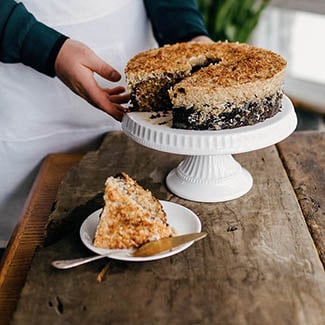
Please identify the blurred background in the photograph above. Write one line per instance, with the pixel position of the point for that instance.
(292, 28)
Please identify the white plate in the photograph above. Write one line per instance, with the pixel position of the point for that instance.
(181, 219)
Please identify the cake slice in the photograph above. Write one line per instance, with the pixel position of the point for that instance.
(131, 216)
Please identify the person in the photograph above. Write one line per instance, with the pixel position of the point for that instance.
(81, 44)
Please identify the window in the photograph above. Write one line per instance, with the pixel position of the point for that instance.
(293, 29)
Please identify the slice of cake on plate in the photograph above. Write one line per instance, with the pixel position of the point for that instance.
(131, 216)
(208, 86)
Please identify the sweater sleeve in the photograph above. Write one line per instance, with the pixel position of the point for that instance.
(175, 21)
(24, 39)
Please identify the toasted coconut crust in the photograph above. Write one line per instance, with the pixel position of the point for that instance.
(161, 61)
(239, 63)
(131, 216)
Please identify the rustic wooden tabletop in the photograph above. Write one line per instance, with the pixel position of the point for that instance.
(260, 264)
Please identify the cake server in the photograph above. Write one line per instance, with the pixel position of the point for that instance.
(166, 244)
(148, 249)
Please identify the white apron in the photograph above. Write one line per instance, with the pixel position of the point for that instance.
(39, 115)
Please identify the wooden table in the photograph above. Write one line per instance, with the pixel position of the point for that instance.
(260, 264)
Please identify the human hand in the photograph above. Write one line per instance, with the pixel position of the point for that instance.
(201, 39)
(75, 66)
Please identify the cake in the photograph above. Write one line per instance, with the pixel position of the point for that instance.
(131, 215)
(207, 86)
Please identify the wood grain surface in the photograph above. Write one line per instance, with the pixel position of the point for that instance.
(304, 159)
(29, 233)
(258, 265)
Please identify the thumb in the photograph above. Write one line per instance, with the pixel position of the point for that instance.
(104, 69)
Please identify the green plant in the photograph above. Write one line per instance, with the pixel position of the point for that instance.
(232, 20)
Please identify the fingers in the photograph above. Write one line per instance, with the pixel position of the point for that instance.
(201, 39)
(114, 109)
(115, 90)
(106, 71)
(101, 99)
(75, 66)
(108, 100)
(118, 95)
(120, 99)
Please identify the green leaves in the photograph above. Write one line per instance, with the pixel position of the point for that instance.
(232, 20)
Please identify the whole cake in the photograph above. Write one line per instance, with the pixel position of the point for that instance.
(131, 216)
(208, 86)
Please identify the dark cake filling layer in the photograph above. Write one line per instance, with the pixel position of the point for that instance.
(234, 114)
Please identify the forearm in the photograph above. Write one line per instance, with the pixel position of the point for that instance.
(175, 21)
(24, 39)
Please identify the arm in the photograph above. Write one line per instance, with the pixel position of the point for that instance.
(20, 32)
(176, 21)
(24, 39)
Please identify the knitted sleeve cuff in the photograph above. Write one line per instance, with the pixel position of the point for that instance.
(41, 47)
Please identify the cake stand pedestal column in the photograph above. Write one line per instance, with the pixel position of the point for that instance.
(209, 178)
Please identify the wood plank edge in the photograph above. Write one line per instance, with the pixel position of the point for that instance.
(287, 169)
(9, 294)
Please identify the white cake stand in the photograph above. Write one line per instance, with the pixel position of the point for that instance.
(209, 173)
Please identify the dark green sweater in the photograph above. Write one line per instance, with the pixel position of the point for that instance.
(24, 39)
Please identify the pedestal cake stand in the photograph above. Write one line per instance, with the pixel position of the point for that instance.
(209, 173)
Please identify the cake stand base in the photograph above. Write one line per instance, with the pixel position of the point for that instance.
(209, 179)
